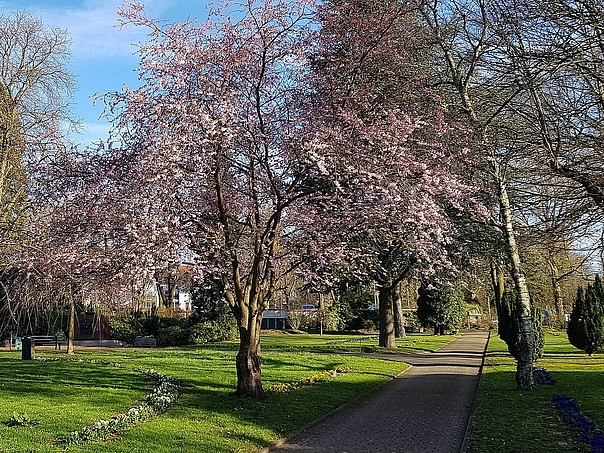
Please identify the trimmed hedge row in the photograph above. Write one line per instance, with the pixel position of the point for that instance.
(171, 331)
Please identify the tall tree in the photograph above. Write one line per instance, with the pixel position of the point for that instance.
(210, 161)
(476, 82)
(220, 151)
(373, 98)
(556, 50)
(35, 90)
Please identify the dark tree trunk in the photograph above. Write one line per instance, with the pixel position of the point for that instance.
(399, 319)
(387, 337)
(171, 293)
(249, 375)
(161, 294)
(71, 329)
(498, 282)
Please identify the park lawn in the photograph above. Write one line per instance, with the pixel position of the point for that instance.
(507, 420)
(54, 398)
(68, 395)
(413, 343)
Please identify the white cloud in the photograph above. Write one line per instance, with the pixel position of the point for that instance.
(92, 133)
(102, 53)
(93, 25)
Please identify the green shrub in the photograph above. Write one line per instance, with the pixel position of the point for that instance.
(363, 319)
(441, 307)
(171, 331)
(509, 326)
(173, 335)
(125, 328)
(211, 331)
(585, 328)
(151, 323)
(353, 307)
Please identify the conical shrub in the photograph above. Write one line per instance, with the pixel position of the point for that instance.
(508, 318)
(585, 328)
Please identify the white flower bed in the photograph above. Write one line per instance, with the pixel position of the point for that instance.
(163, 396)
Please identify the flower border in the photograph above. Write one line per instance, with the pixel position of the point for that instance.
(323, 376)
(158, 401)
(570, 413)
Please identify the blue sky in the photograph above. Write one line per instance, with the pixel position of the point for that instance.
(103, 57)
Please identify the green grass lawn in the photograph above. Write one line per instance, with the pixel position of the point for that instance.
(57, 397)
(507, 420)
(415, 342)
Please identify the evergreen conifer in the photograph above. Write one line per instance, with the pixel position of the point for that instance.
(509, 326)
(585, 328)
(441, 308)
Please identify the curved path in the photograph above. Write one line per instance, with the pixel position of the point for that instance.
(425, 409)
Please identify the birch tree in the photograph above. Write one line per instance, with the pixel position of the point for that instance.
(479, 88)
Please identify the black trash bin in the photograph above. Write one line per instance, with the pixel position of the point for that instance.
(27, 352)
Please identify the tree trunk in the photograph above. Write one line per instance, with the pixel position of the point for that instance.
(463, 72)
(399, 319)
(558, 307)
(524, 366)
(498, 282)
(71, 330)
(171, 293)
(387, 337)
(249, 375)
(161, 294)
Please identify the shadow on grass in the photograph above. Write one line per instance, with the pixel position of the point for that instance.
(407, 402)
(281, 412)
(510, 420)
(60, 379)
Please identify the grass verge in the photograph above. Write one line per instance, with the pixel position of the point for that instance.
(302, 342)
(507, 420)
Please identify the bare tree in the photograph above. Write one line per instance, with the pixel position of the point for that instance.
(555, 50)
(478, 88)
(529, 77)
(35, 90)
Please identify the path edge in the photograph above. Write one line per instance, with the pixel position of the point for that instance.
(279, 442)
(349, 404)
(466, 438)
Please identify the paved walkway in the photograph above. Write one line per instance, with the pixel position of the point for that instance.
(425, 409)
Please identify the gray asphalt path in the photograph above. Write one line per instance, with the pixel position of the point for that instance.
(425, 409)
